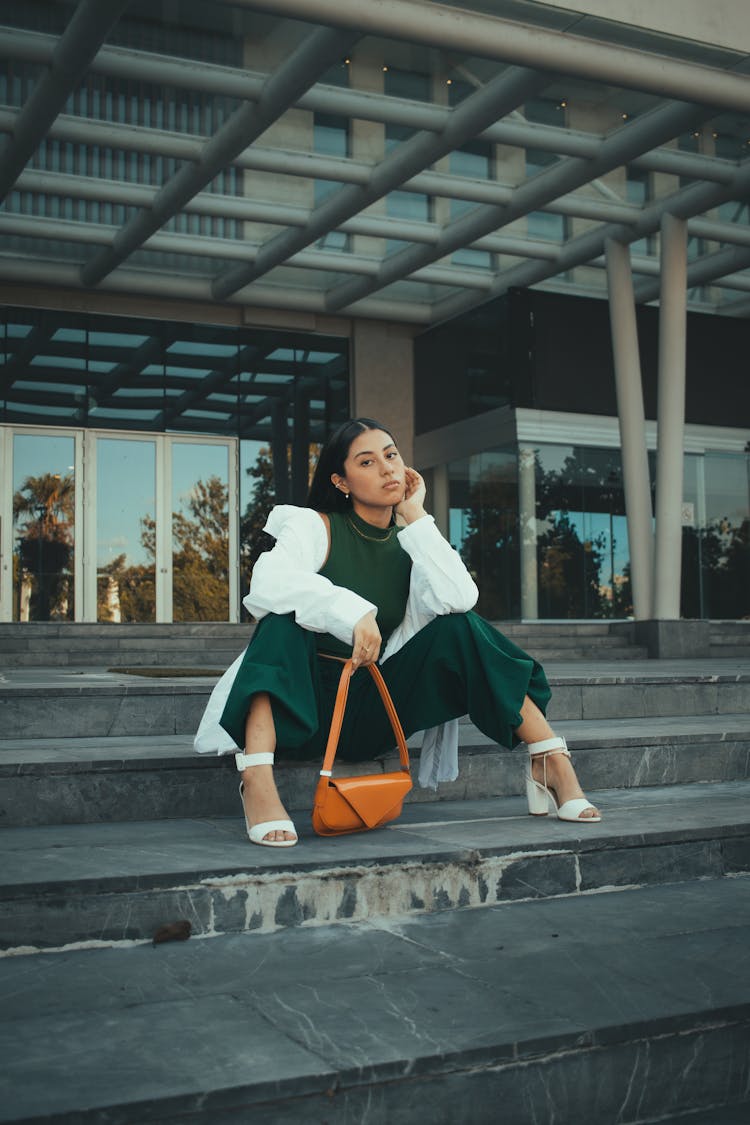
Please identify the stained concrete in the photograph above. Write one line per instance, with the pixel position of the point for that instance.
(120, 881)
(627, 1006)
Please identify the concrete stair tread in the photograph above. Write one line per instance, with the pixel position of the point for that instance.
(123, 855)
(177, 750)
(348, 1023)
(93, 678)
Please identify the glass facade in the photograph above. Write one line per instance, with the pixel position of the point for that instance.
(43, 488)
(165, 421)
(716, 536)
(555, 545)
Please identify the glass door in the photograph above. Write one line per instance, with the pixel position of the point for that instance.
(203, 557)
(41, 512)
(117, 527)
(125, 529)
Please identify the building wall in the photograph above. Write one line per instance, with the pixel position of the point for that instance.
(382, 378)
(721, 22)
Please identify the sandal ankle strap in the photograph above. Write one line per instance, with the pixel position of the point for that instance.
(547, 745)
(244, 761)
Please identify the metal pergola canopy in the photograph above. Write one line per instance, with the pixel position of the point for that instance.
(405, 160)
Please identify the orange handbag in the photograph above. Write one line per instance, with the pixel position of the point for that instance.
(356, 804)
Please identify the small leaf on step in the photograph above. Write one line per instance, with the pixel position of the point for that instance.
(173, 931)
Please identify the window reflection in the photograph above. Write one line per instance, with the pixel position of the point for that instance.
(43, 528)
(573, 507)
(125, 530)
(716, 536)
(200, 532)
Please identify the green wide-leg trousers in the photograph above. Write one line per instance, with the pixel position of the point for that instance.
(457, 665)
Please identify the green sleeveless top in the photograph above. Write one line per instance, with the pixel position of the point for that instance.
(371, 562)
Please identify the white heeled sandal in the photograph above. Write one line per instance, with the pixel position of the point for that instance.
(257, 832)
(539, 794)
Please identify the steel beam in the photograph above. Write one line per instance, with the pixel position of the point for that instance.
(685, 204)
(84, 35)
(653, 128)
(150, 283)
(494, 100)
(702, 271)
(169, 242)
(315, 55)
(459, 31)
(227, 81)
(185, 147)
(248, 210)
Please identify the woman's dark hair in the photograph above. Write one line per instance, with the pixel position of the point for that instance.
(323, 495)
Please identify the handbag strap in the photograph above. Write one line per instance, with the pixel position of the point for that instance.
(338, 717)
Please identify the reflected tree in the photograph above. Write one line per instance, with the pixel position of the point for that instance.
(44, 511)
(200, 564)
(262, 499)
(200, 558)
(491, 547)
(716, 570)
(570, 568)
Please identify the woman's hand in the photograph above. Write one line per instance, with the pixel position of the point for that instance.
(366, 641)
(411, 507)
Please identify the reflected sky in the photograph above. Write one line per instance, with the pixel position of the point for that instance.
(36, 454)
(121, 509)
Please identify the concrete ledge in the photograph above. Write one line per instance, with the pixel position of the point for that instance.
(83, 781)
(373, 1022)
(674, 640)
(118, 882)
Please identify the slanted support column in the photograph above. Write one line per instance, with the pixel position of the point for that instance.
(527, 523)
(632, 425)
(671, 418)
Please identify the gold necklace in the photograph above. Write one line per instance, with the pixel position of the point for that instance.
(370, 538)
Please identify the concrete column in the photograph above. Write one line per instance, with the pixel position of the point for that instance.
(670, 417)
(527, 524)
(439, 502)
(632, 426)
(382, 384)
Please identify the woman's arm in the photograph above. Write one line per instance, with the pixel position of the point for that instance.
(440, 582)
(285, 579)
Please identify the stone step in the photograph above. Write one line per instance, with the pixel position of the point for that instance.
(215, 660)
(217, 644)
(68, 631)
(730, 638)
(624, 1007)
(82, 704)
(95, 780)
(113, 882)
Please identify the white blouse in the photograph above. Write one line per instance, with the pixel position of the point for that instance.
(286, 580)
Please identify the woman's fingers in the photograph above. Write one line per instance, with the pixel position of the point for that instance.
(366, 641)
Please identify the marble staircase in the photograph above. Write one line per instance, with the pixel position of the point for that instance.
(466, 964)
(210, 645)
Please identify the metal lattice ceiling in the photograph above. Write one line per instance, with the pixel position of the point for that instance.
(180, 149)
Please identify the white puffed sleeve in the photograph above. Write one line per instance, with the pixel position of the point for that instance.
(285, 579)
(440, 583)
(443, 583)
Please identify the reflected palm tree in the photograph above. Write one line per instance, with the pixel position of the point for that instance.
(43, 510)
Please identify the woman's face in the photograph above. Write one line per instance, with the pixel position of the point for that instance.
(374, 472)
